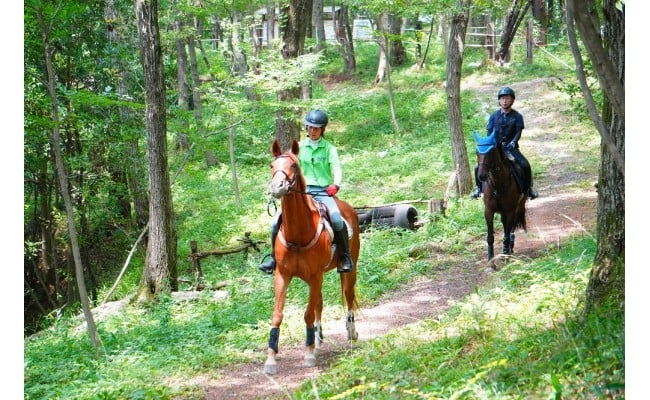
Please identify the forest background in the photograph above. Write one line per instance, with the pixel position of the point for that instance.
(11, 161)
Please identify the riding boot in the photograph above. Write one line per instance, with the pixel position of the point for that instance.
(478, 189)
(343, 243)
(268, 262)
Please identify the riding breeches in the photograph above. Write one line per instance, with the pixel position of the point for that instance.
(319, 194)
(332, 208)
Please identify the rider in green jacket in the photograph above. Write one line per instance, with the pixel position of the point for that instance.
(321, 168)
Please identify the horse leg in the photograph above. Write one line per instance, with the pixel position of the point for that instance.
(506, 243)
(280, 285)
(314, 309)
(508, 222)
(489, 221)
(348, 280)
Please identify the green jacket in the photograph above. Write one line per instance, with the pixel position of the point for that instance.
(320, 165)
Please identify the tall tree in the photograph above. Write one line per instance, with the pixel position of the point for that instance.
(160, 272)
(397, 50)
(296, 18)
(457, 33)
(382, 40)
(319, 24)
(55, 141)
(607, 53)
(346, 42)
(515, 15)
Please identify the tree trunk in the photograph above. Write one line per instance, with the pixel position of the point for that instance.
(160, 274)
(540, 15)
(513, 19)
(397, 49)
(318, 24)
(196, 86)
(270, 22)
(382, 65)
(454, 66)
(297, 15)
(182, 138)
(55, 142)
(607, 280)
(346, 41)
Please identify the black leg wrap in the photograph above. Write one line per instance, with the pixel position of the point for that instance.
(273, 339)
(311, 336)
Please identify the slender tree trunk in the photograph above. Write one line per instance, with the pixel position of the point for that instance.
(132, 168)
(346, 41)
(397, 49)
(319, 25)
(382, 65)
(454, 68)
(196, 86)
(55, 142)
(160, 274)
(270, 24)
(240, 63)
(297, 15)
(516, 14)
(182, 141)
(540, 14)
(423, 59)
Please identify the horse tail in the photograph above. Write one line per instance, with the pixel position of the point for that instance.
(520, 217)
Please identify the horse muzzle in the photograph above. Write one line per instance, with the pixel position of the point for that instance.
(279, 189)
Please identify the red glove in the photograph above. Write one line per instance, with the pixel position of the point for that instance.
(332, 190)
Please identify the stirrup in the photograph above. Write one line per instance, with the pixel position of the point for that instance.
(476, 193)
(269, 266)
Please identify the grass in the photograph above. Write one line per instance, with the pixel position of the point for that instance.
(520, 337)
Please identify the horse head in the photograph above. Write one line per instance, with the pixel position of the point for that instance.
(485, 146)
(285, 170)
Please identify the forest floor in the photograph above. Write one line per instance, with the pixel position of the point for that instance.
(563, 209)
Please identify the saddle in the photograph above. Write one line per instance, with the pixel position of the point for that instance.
(327, 222)
(516, 170)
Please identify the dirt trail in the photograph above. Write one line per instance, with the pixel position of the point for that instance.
(563, 209)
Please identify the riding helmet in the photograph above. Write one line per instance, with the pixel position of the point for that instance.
(504, 91)
(316, 118)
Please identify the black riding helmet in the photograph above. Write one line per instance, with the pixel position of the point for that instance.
(316, 118)
(505, 91)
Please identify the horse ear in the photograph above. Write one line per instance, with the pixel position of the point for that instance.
(275, 149)
(295, 147)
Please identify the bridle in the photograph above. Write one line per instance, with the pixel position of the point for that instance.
(291, 180)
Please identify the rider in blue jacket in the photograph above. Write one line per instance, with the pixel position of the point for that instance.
(508, 124)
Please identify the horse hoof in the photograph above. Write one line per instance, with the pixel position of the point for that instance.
(271, 369)
(310, 360)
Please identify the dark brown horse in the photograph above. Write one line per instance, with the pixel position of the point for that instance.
(501, 193)
(303, 249)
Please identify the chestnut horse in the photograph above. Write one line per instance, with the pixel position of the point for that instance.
(501, 193)
(303, 249)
